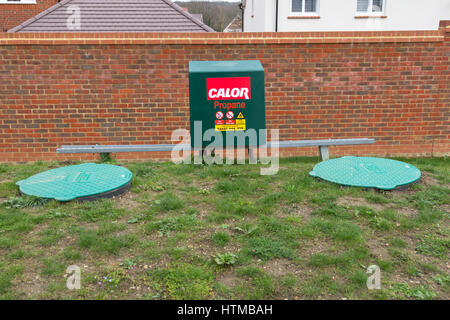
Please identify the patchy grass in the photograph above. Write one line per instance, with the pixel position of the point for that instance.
(225, 232)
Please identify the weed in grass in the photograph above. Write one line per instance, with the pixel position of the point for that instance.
(434, 246)
(167, 202)
(236, 207)
(412, 270)
(443, 281)
(133, 220)
(428, 216)
(289, 281)
(247, 229)
(398, 242)
(16, 221)
(127, 264)
(107, 228)
(8, 242)
(7, 189)
(335, 229)
(57, 214)
(267, 248)
(112, 244)
(260, 286)
(112, 279)
(50, 237)
(3, 168)
(71, 254)
(222, 290)
(87, 239)
(18, 254)
(7, 275)
(333, 211)
(225, 259)
(346, 259)
(24, 202)
(428, 267)
(169, 224)
(105, 157)
(218, 217)
(52, 267)
(430, 197)
(93, 211)
(221, 238)
(142, 170)
(318, 285)
(358, 278)
(185, 281)
(149, 185)
(399, 256)
(376, 197)
(380, 223)
(418, 292)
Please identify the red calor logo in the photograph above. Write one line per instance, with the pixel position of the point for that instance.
(228, 88)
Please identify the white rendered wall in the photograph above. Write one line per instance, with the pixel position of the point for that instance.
(339, 15)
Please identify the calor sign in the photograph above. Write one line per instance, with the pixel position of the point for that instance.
(237, 88)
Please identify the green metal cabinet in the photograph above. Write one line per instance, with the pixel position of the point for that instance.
(227, 96)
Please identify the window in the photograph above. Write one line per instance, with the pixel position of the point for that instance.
(370, 7)
(17, 1)
(305, 7)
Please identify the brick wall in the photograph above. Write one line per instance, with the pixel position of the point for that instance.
(63, 89)
(11, 15)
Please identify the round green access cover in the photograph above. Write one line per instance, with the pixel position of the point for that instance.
(367, 172)
(73, 182)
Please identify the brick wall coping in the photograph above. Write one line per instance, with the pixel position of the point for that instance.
(223, 38)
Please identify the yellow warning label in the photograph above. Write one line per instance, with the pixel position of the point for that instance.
(240, 122)
(231, 127)
(240, 116)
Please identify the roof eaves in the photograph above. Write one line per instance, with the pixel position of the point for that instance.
(38, 16)
(232, 21)
(189, 16)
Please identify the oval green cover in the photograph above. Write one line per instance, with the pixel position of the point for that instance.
(368, 172)
(72, 182)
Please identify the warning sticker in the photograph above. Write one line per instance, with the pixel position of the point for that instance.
(230, 127)
(230, 115)
(230, 124)
(219, 115)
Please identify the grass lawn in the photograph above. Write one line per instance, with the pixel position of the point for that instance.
(226, 232)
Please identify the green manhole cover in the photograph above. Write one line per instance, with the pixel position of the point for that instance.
(85, 182)
(367, 172)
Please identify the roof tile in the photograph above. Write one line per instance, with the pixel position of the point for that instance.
(116, 16)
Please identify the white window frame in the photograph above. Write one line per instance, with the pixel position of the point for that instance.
(369, 11)
(303, 13)
(18, 2)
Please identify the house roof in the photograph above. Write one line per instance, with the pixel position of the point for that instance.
(235, 25)
(116, 16)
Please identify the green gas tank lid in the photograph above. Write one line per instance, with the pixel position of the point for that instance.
(367, 172)
(88, 180)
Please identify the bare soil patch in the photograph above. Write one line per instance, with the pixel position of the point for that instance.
(378, 248)
(428, 179)
(126, 201)
(297, 210)
(281, 267)
(227, 278)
